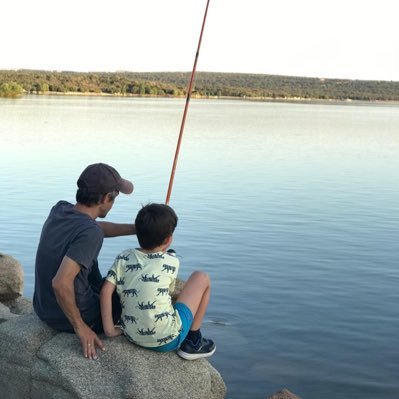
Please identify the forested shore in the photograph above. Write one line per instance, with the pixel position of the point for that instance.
(14, 83)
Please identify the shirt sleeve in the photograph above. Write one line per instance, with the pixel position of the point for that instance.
(85, 247)
(111, 275)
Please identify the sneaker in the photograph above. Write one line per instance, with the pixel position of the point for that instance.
(202, 348)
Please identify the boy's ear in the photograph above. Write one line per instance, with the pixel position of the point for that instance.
(167, 241)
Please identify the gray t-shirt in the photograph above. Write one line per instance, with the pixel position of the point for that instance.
(68, 232)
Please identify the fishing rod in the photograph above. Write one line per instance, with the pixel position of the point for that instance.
(189, 90)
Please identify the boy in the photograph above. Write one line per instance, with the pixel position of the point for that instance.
(144, 279)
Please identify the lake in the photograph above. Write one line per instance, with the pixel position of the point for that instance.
(293, 210)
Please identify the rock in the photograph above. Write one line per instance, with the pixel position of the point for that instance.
(5, 313)
(11, 278)
(20, 340)
(283, 394)
(19, 306)
(38, 362)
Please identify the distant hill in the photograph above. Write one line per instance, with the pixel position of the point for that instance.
(207, 84)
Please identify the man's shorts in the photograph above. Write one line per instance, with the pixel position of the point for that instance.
(186, 320)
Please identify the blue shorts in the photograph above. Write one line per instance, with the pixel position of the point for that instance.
(186, 320)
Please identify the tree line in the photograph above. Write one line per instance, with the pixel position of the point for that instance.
(207, 84)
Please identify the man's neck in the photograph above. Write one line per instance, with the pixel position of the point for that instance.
(89, 211)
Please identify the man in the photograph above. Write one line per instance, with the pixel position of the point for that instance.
(67, 277)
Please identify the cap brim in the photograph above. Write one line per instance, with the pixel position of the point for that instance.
(125, 186)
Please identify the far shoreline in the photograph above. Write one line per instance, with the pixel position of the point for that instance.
(289, 100)
(208, 85)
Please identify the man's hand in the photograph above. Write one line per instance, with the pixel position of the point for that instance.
(63, 285)
(89, 341)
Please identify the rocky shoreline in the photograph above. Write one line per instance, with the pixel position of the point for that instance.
(38, 362)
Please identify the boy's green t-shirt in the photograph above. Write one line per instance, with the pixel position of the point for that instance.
(144, 283)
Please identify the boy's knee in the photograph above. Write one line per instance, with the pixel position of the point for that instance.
(202, 277)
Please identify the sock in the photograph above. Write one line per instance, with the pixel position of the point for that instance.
(194, 335)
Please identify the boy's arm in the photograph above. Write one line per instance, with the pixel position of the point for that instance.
(117, 229)
(106, 310)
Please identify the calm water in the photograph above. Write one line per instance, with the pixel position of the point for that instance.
(292, 209)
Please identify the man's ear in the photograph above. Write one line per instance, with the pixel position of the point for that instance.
(105, 198)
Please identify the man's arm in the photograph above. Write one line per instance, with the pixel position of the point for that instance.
(106, 310)
(117, 229)
(63, 285)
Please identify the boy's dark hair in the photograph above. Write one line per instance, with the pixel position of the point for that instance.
(155, 223)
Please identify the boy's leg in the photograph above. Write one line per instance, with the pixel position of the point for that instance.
(195, 295)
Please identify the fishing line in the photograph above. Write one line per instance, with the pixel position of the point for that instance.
(189, 90)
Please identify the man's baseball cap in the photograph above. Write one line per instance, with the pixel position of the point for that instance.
(101, 178)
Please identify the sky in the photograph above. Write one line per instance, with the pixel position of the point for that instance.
(347, 39)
